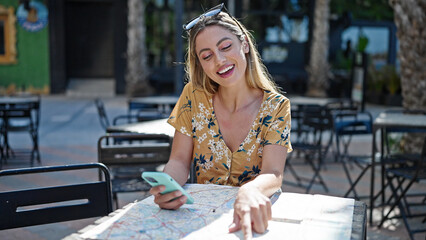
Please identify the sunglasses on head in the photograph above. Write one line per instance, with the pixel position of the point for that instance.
(211, 12)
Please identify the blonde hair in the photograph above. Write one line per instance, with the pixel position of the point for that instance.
(256, 74)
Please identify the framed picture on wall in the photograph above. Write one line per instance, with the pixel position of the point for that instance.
(7, 35)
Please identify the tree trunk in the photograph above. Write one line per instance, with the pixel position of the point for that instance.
(137, 69)
(410, 20)
(318, 68)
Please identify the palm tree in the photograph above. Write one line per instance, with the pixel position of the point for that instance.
(318, 68)
(137, 67)
(410, 20)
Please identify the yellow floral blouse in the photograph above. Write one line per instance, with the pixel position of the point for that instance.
(194, 116)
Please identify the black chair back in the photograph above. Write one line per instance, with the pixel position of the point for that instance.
(44, 205)
(128, 155)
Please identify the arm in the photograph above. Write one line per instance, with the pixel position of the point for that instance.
(178, 168)
(252, 204)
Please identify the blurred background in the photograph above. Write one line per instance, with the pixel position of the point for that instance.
(136, 48)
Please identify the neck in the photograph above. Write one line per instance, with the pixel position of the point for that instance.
(234, 100)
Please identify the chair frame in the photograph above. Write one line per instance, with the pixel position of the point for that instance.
(26, 110)
(405, 177)
(121, 151)
(313, 121)
(347, 124)
(140, 116)
(96, 193)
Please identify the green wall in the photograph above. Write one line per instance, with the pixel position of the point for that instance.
(31, 72)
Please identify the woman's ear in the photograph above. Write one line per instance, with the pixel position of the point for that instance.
(246, 46)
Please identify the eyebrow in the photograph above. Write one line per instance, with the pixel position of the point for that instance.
(217, 44)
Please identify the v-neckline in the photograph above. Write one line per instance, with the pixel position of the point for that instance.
(250, 129)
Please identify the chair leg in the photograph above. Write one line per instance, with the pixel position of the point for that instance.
(35, 153)
(115, 199)
(316, 174)
(352, 188)
(397, 201)
(293, 172)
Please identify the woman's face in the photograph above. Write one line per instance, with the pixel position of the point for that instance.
(222, 55)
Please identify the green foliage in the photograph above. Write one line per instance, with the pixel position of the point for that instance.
(393, 81)
(385, 78)
(363, 9)
(342, 62)
(362, 43)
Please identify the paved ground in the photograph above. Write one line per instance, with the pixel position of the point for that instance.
(68, 134)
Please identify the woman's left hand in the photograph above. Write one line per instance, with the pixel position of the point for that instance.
(252, 211)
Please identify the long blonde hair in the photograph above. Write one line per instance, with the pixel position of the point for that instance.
(256, 73)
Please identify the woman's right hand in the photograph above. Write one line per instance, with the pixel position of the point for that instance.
(171, 200)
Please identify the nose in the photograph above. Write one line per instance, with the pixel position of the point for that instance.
(220, 58)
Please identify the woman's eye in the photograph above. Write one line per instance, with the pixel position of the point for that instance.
(206, 57)
(226, 47)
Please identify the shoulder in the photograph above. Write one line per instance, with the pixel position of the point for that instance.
(190, 89)
(276, 99)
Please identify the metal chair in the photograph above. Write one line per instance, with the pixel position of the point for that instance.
(128, 155)
(401, 180)
(103, 117)
(348, 124)
(314, 121)
(22, 117)
(50, 204)
(139, 116)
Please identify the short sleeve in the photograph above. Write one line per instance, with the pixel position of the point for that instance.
(181, 116)
(279, 130)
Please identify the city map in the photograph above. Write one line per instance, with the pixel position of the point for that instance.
(145, 220)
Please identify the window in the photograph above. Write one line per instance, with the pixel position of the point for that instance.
(7, 35)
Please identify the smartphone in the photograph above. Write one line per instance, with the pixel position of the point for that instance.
(162, 178)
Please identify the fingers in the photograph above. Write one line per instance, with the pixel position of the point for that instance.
(235, 226)
(252, 217)
(157, 189)
(172, 200)
(174, 203)
(259, 218)
(246, 225)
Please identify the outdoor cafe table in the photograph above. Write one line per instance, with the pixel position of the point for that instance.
(302, 100)
(163, 103)
(395, 120)
(159, 126)
(294, 216)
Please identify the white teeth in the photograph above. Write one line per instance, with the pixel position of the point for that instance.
(226, 69)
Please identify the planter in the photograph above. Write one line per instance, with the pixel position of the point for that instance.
(374, 98)
(393, 100)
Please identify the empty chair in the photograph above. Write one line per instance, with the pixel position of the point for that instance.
(50, 204)
(309, 144)
(139, 116)
(22, 116)
(128, 155)
(349, 124)
(401, 180)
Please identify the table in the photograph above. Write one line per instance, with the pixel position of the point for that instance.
(19, 107)
(295, 216)
(301, 100)
(159, 126)
(164, 104)
(400, 120)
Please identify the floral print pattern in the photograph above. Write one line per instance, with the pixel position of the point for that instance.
(215, 163)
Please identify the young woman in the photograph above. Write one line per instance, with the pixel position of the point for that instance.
(230, 120)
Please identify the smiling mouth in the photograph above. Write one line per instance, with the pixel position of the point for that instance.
(226, 70)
